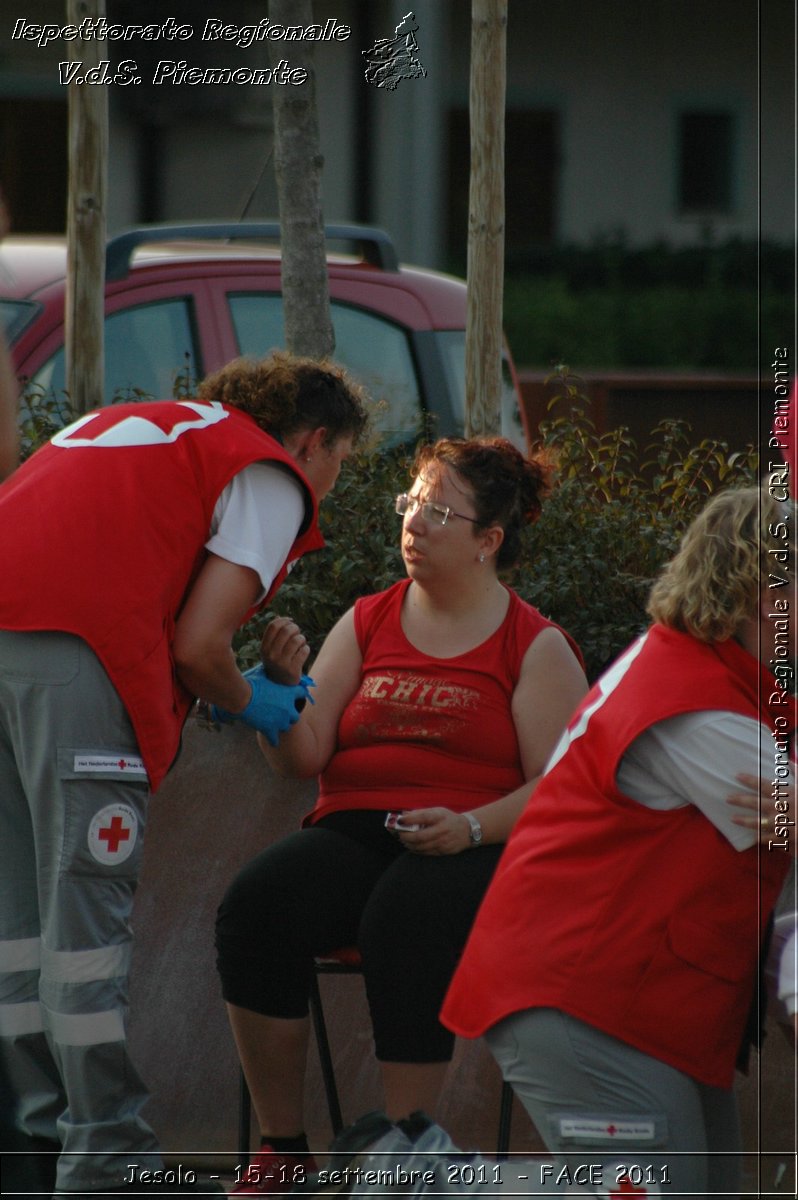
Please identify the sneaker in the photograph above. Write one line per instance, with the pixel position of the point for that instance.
(356, 1154)
(273, 1173)
(415, 1125)
(362, 1134)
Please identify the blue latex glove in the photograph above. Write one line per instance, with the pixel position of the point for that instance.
(272, 708)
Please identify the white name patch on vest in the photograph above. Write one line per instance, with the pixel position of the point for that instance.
(109, 764)
(112, 834)
(596, 1130)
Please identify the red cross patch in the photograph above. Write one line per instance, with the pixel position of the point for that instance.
(113, 833)
(635, 1180)
(151, 425)
(626, 1190)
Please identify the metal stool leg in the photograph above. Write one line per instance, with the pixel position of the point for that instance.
(505, 1120)
(244, 1119)
(329, 967)
(325, 1057)
(332, 967)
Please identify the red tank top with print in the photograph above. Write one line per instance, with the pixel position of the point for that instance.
(423, 731)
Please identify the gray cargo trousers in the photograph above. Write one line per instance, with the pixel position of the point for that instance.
(73, 798)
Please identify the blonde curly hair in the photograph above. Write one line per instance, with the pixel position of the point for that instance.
(285, 393)
(713, 584)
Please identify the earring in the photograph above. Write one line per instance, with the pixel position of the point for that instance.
(482, 558)
(308, 458)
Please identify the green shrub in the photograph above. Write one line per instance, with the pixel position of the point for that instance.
(663, 326)
(681, 308)
(614, 517)
(610, 261)
(41, 414)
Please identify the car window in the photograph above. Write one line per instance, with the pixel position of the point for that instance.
(452, 343)
(375, 350)
(15, 315)
(147, 347)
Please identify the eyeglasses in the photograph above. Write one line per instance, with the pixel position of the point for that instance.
(436, 514)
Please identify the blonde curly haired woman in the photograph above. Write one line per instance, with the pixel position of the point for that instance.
(617, 997)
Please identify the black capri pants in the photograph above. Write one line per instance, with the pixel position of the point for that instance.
(346, 881)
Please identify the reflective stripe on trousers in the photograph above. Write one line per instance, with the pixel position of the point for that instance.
(71, 826)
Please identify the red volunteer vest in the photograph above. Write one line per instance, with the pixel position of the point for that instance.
(642, 923)
(102, 533)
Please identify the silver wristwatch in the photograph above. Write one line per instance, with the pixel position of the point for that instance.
(476, 829)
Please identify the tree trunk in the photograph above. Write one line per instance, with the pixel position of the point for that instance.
(298, 165)
(86, 217)
(486, 218)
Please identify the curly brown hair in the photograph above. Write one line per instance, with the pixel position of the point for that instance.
(713, 584)
(508, 489)
(284, 393)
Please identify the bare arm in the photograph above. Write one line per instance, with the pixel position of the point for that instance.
(307, 747)
(220, 599)
(541, 710)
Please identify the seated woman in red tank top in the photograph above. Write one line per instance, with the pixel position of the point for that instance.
(438, 700)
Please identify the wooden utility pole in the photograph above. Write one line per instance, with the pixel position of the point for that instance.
(486, 217)
(298, 165)
(86, 214)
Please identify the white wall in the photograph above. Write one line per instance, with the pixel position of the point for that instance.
(616, 70)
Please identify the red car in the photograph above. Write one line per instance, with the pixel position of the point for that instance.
(181, 301)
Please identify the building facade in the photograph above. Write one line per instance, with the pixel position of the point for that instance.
(670, 121)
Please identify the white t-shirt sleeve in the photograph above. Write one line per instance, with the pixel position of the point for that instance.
(695, 759)
(256, 520)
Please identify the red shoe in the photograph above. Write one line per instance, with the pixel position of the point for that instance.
(273, 1173)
